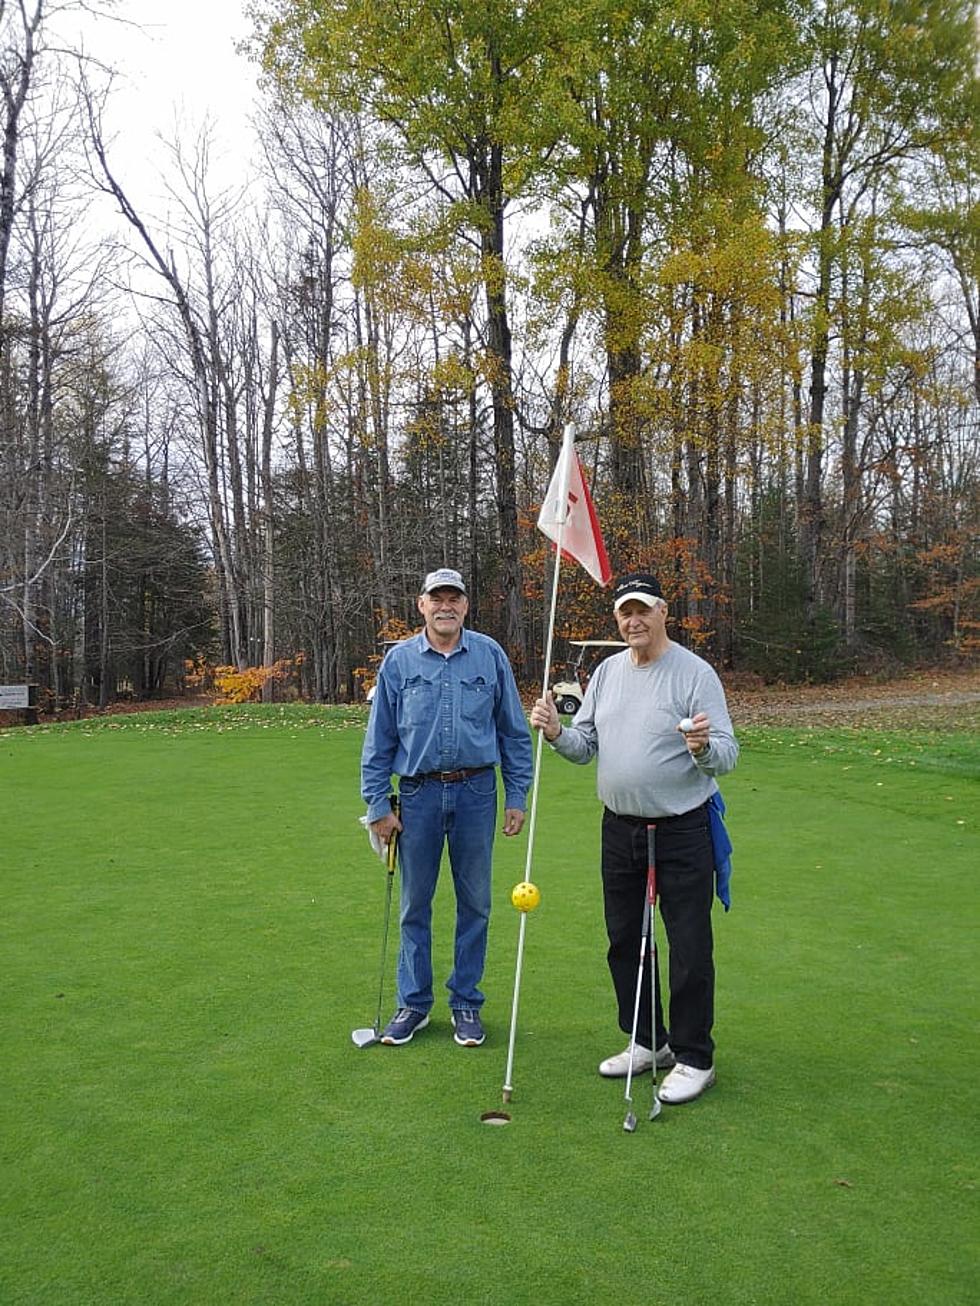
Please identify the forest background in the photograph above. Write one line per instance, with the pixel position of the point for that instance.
(737, 244)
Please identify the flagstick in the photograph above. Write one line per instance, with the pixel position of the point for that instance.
(532, 820)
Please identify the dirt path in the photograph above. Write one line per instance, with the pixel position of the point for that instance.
(927, 698)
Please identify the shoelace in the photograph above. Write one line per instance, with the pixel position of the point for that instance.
(464, 1016)
(404, 1013)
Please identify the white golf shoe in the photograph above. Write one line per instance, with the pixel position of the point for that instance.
(685, 1083)
(618, 1067)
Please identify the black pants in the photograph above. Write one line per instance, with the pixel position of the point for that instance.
(685, 888)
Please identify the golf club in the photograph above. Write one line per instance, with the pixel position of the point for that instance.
(651, 911)
(629, 1124)
(363, 1038)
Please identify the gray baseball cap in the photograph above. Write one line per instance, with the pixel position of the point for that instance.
(443, 578)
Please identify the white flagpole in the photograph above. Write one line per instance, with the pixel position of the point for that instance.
(565, 457)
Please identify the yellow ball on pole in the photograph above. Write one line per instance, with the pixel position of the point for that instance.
(525, 896)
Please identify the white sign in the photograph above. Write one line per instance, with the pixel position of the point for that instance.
(12, 696)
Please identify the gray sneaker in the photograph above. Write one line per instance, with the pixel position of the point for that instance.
(469, 1030)
(402, 1026)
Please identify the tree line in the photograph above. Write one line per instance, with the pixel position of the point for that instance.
(741, 254)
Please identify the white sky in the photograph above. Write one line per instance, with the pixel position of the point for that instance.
(176, 63)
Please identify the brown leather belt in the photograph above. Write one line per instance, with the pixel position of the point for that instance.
(450, 777)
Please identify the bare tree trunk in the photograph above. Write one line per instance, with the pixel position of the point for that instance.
(472, 481)
(104, 616)
(207, 404)
(489, 189)
(15, 84)
(811, 509)
(268, 514)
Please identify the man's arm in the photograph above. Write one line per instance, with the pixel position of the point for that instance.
(513, 741)
(378, 752)
(721, 753)
(579, 741)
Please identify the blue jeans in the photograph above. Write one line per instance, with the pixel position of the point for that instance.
(462, 814)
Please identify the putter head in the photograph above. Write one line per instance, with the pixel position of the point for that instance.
(629, 1124)
(363, 1038)
(655, 1109)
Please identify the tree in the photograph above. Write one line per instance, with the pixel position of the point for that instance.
(21, 35)
(468, 95)
(888, 83)
(199, 314)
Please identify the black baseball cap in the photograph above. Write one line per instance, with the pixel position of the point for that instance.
(637, 585)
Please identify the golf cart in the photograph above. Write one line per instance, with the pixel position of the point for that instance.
(570, 692)
(386, 644)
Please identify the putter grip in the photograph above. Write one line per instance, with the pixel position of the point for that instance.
(393, 841)
(652, 864)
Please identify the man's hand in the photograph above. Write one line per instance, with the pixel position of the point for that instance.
(386, 826)
(513, 820)
(698, 738)
(544, 716)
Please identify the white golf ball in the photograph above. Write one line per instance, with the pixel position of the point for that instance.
(687, 725)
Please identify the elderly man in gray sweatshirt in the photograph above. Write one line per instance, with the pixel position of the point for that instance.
(649, 770)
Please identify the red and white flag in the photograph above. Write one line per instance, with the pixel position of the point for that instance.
(568, 517)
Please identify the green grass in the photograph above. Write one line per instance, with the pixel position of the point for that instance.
(190, 929)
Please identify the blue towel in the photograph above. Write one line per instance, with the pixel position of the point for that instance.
(723, 849)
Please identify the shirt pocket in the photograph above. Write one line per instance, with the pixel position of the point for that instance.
(417, 702)
(661, 721)
(476, 700)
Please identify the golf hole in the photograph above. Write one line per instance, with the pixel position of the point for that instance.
(495, 1118)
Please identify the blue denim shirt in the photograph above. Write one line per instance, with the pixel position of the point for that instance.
(436, 713)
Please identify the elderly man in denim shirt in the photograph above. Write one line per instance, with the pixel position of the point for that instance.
(445, 714)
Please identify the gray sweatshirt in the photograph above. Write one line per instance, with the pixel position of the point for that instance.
(629, 717)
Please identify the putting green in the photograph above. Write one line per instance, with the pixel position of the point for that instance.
(191, 930)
